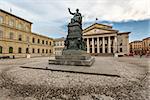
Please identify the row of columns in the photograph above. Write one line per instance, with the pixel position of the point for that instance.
(103, 45)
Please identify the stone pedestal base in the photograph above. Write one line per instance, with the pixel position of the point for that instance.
(73, 57)
(76, 60)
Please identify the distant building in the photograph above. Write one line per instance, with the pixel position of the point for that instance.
(17, 40)
(103, 40)
(59, 45)
(136, 47)
(140, 47)
(146, 45)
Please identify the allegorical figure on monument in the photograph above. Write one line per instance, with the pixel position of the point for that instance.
(77, 16)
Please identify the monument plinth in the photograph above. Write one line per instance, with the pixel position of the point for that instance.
(74, 52)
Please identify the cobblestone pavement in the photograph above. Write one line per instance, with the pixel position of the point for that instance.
(31, 84)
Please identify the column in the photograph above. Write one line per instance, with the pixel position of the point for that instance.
(115, 44)
(93, 45)
(98, 45)
(103, 45)
(87, 44)
(109, 45)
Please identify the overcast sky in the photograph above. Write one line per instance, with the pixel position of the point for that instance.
(50, 17)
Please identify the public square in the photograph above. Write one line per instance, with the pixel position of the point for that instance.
(70, 50)
(18, 83)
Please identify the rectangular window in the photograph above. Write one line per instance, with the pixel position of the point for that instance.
(28, 39)
(33, 50)
(38, 50)
(42, 41)
(120, 49)
(10, 49)
(50, 51)
(20, 26)
(27, 28)
(1, 19)
(11, 22)
(1, 33)
(42, 50)
(11, 35)
(19, 50)
(38, 40)
(20, 38)
(1, 49)
(33, 40)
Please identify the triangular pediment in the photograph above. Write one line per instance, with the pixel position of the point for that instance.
(97, 31)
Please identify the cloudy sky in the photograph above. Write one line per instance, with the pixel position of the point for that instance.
(50, 17)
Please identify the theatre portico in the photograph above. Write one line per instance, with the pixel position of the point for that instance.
(102, 38)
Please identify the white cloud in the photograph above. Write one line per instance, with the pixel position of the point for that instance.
(54, 13)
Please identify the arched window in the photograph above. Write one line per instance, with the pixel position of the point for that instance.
(49, 43)
(19, 50)
(10, 49)
(1, 49)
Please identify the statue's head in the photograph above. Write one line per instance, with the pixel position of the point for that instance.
(77, 10)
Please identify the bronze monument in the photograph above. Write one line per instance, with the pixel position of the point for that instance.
(74, 52)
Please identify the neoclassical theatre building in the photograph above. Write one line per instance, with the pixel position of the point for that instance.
(103, 40)
(17, 40)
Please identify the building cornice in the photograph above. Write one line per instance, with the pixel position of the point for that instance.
(124, 32)
(146, 38)
(42, 36)
(99, 34)
(14, 16)
(137, 41)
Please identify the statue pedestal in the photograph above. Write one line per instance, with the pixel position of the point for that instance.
(73, 57)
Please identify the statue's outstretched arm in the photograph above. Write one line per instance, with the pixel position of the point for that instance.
(70, 12)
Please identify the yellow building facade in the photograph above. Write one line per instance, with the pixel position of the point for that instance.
(17, 40)
(140, 47)
(146, 45)
(136, 47)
